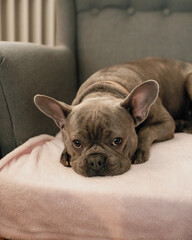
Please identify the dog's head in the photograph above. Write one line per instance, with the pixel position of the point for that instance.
(99, 133)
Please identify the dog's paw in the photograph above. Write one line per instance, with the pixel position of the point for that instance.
(183, 126)
(140, 156)
(65, 159)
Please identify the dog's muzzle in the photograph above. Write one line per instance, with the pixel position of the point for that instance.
(96, 163)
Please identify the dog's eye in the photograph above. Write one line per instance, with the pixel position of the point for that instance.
(117, 141)
(77, 143)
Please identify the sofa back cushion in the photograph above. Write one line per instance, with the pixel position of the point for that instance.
(115, 31)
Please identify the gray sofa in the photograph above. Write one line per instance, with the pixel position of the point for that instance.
(90, 34)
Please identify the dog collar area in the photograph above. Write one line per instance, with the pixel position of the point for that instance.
(118, 85)
(103, 86)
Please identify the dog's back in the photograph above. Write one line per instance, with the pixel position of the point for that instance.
(171, 75)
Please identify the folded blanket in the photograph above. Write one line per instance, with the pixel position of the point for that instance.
(43, 200)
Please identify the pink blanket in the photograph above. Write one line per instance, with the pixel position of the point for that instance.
(42, 200)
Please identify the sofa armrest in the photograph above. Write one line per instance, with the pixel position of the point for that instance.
(25, 70)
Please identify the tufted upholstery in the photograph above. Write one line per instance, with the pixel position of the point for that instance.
(114, 31)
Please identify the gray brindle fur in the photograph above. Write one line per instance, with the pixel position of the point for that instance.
(119, 112)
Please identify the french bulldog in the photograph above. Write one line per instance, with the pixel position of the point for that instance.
(119, 112)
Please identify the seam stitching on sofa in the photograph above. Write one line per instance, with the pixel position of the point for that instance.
(76, 53)
(2, 60)
(125, 9)
(6, 103)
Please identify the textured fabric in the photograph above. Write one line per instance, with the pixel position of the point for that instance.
(41, 199)
(28, 69)
(114, 31)
(146, 5)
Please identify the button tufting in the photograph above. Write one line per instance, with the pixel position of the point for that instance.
(167, 12)
(130, 11)
(95, 11)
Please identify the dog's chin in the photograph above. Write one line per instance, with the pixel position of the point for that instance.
(112, 168)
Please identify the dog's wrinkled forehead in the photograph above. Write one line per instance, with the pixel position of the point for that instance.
(95, 118)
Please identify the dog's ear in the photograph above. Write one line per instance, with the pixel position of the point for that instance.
(54, 109)
(139, 101)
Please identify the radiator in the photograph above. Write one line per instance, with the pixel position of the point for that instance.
(28, 21)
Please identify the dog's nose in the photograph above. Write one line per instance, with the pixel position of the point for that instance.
(96, 161)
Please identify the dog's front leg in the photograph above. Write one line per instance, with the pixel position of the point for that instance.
(161, 129)
(185, 125)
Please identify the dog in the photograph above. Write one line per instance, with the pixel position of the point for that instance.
(119, 112)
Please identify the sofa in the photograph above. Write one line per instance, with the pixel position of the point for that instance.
(153, 200)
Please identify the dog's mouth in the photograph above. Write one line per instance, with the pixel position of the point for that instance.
(107, 167)
(103, 162)
(93, 173)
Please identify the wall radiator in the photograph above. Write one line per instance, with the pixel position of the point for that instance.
(28, 21)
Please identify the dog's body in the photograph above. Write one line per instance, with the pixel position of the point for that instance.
(119, 112)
